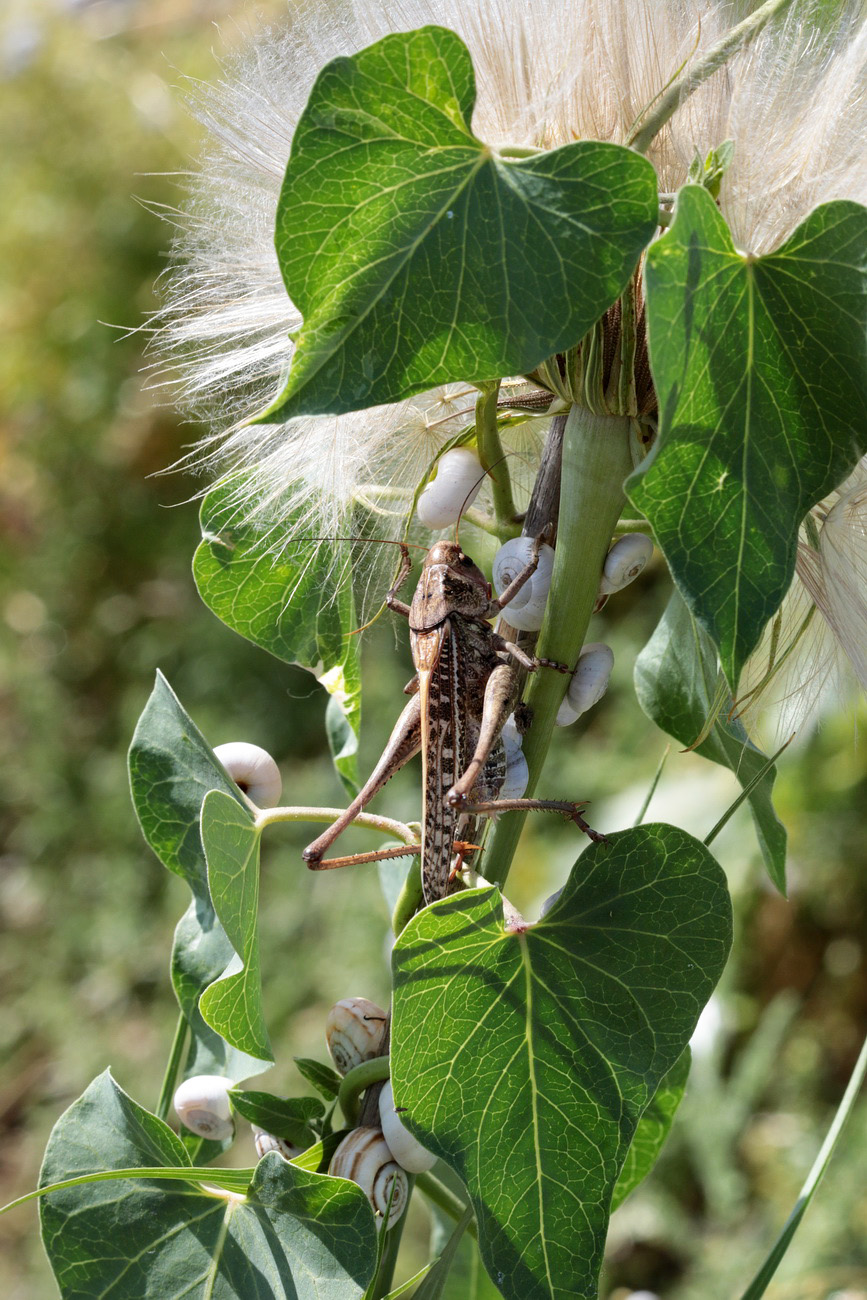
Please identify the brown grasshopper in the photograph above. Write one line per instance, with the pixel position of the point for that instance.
(464, 689)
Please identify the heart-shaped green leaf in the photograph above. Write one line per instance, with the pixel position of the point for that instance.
(324, 1079)
(679, 686)
(419, 255)
(232, 1005)
(297, 604)
(653, 1128)
(171, 768)
(760, 367)
(526, 1059)
(291, 1118)
(292, 1233)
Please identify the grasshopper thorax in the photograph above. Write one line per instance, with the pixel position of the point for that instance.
(450, 583)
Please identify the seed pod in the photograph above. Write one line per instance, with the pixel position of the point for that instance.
(355, 1032)
(253, 770)
(407, 1150)
(526, 610)
(365, 1158)
(517, 771)
(265, 1142)
(202, 1105)
(624, 562)
(459, 475)
(589, 682)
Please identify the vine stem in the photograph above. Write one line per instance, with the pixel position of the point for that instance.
(492, 457)
(173, 1067)
(596, 460)
(367, 821)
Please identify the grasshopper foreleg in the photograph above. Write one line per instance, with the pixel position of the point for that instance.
(404, 742)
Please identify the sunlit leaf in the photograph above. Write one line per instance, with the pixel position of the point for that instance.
(653, 1128)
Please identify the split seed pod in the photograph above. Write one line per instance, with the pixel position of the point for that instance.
(355, 1032)
(459, 475)
(202, 1105)
(253, 770)
(365, 1158)
(526, 610)
(407, 1150)
(265, 1142)
(589, 682)
(624, 562)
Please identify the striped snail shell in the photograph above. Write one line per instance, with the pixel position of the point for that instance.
(526, 610)
(459, 475)
(253, 770)
(407, 1150)
(355, 1032)
(589, 682)
(265, 1142)
(624, 562)
(365, 1158)
(202, 1105)
(517, 771)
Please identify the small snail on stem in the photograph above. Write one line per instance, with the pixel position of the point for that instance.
(202, 1104)
(623, 563)
(366, 1159)
(265, 1142)
(526, 611)
(407, 1150)
(589, 682)
(459, 475)
(355, 1031)
(253, 770)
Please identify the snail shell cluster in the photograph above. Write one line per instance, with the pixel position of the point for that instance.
(407, 1150)
(459, 475)
(355, 1030)
(253, 770)
(365, 1157)
(623, 563)
(517, 771)
(202, 1105)
(589, 682)
(526, 610)
(265, 1142)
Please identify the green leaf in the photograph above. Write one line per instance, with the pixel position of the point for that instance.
(679, 686)
(435, 1285)
(526, 1059)
(653, 1128)
(232, 1005)
(325, 1080)
(297, 604)
(760, 368)
(290, 1118)
(293, 1233)
(419, 255)
(171, 768)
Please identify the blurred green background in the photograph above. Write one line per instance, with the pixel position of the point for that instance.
(97, 593)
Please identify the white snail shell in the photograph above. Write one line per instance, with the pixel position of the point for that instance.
(459, 475)
(407, 1150)
(355, 1032)
(202, 1104)
(517, 771)
(589, 682)
(526, 610)
(254, 770)
(365, 1157)
(265, 1142)
(624, 562)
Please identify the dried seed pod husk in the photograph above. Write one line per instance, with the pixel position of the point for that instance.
(202, 1105)
(355, 1032)
(623, 563)
(407, 1150)
(526, 610)
(253, 770)
(589, 682)
(459, 475)
(265, 1142)
(365, 1158)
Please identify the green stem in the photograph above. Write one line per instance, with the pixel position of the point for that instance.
(443, 1199)
(358, 1081)
(409, 900)
(173, 1067)
(492, 456)
(596, 460)
(684, 85)
(367, 821)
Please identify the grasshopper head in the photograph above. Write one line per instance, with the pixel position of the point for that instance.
(450, 584)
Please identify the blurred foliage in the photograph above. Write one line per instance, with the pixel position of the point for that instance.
(96, 593)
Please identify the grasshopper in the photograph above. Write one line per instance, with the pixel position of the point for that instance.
(465, 687)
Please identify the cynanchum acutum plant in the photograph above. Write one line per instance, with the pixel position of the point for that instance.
(575, 274)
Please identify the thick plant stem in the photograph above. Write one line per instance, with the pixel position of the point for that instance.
(491, 455)
(596, 460)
